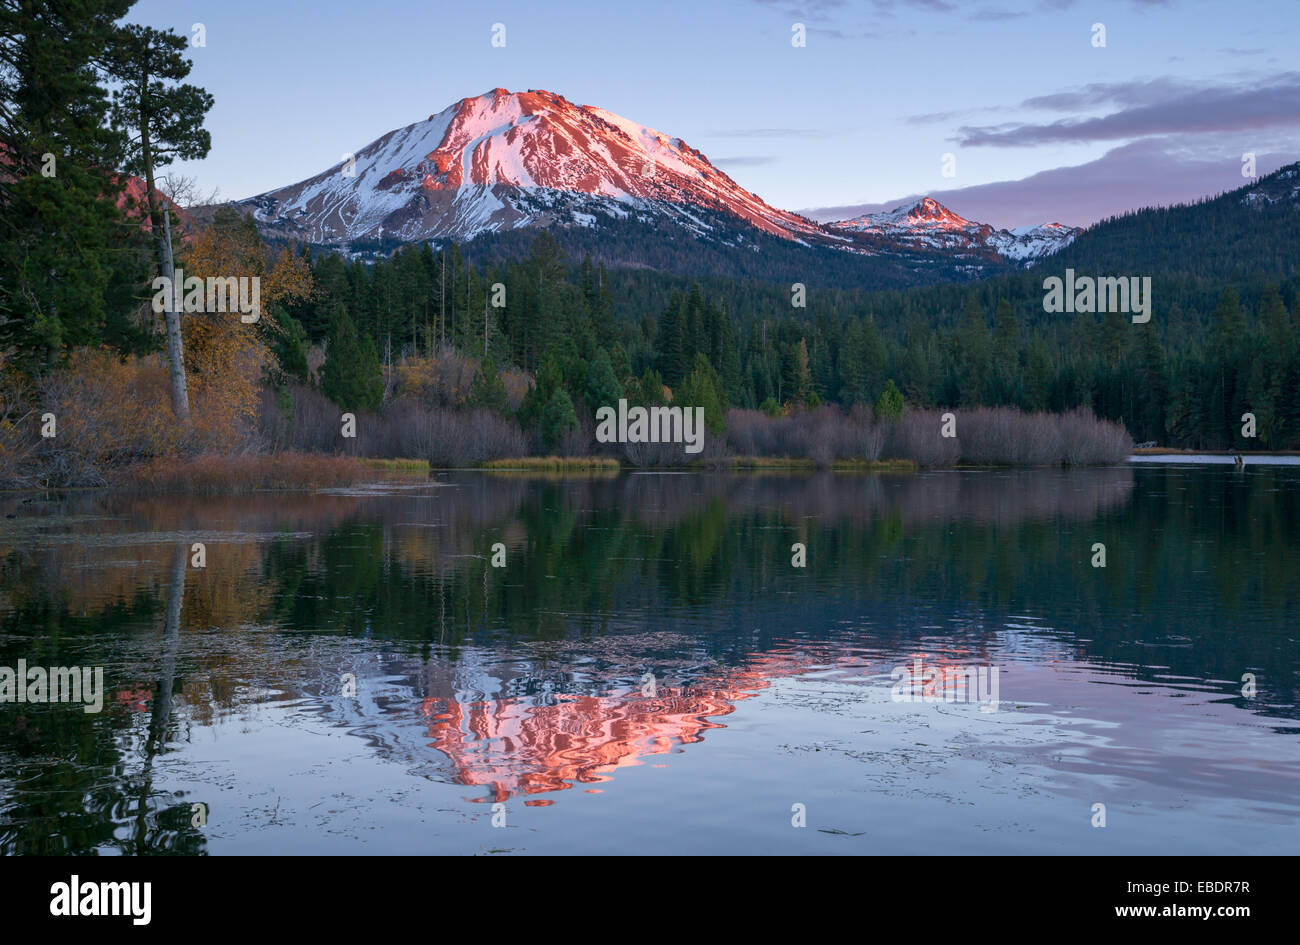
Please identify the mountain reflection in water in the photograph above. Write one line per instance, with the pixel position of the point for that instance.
(646, 618)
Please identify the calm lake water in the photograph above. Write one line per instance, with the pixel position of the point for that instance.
(649, 673)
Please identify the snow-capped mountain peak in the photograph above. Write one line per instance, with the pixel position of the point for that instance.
(929, 225)
(508, 159)
(926, 212)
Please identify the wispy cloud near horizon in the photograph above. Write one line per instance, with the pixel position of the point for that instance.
(1151, 108)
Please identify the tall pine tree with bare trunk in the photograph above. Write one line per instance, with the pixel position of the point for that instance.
(163, 120)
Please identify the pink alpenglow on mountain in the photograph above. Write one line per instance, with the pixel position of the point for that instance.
(511, 159)
(929, 225)
(508, 160)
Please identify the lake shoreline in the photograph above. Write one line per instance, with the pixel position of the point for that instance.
(225, 475)
(1172, 451)
(1213, 458)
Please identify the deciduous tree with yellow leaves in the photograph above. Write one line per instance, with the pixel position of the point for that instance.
(225, 357)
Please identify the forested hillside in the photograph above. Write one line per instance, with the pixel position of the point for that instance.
(1221, 341)
(1249, 233)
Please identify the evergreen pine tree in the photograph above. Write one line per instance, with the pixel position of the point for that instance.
(558, 418)
(602, 388)
(289, 345)
(973, 353)
(890, 403)
(700, 389)
(649, 390)
(68, 269)
(801, 373)
(351, 375)
(673, 342)
(488, 391)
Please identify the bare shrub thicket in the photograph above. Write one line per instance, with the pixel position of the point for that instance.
(644, 455)
(1001, 436)
(1087, 441)
(916, 435)
(579, 440)
(824, 435)
(444, 437)
(18, 438)
(405, 429)
(985, 436)
(713, 452)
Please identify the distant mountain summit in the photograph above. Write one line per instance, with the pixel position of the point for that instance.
(1280, 188)
(928, 224)
(504, 163)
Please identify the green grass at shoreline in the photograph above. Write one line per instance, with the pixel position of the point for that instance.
(411, 466)
(553, 464)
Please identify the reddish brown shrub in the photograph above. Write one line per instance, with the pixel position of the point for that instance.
(220, 474)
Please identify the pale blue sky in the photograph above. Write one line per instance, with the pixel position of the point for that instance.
(1189, 86)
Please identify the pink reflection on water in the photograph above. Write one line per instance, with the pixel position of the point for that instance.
(516, 746)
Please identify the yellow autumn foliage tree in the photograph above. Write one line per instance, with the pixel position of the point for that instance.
(225, 358)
